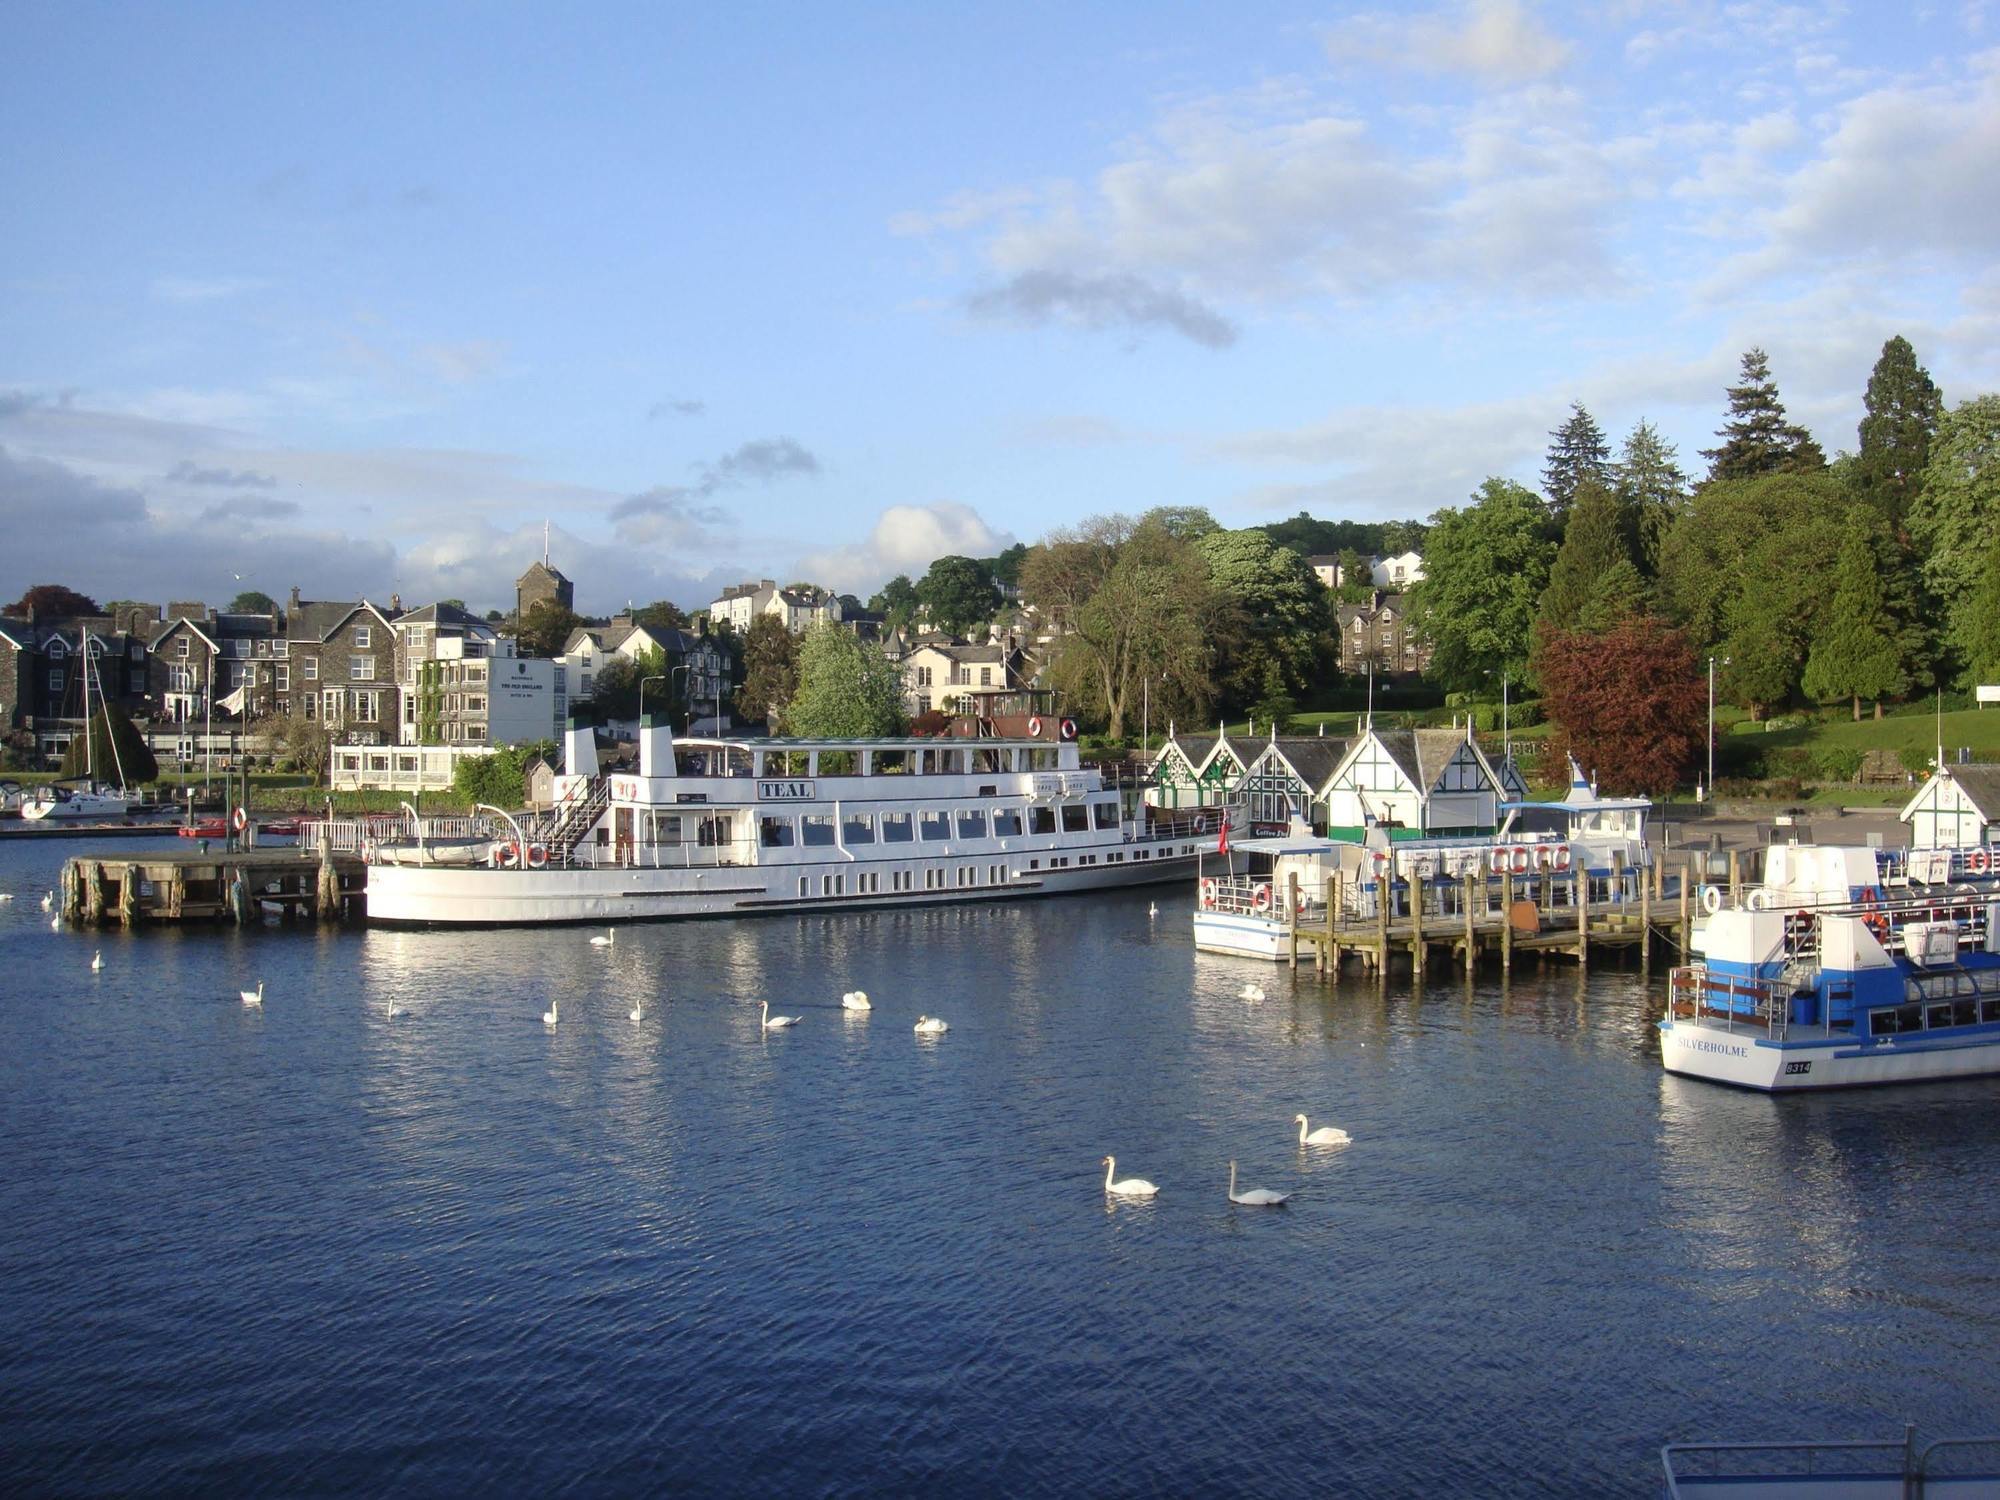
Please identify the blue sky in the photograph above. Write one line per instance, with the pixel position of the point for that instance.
(356, 297)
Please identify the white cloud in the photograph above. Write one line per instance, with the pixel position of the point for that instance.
(203, 288)
(905, 539)
(1501, 41)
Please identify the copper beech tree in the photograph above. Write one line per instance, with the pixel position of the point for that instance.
(1629, 702)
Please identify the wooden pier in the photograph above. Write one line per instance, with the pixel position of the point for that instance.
(1461, 922)
(227, 886)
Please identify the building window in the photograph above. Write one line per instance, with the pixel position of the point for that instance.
(309, 668)
(56, 680)
(986, 677)
(361, 637)
(360, 668)
(182, 647)
(923, 676)
(284, 679)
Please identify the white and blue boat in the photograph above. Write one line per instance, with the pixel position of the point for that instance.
(1844, 967)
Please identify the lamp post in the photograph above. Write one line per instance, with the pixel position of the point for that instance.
(656, 677)
(1711, 722)
(687, 667)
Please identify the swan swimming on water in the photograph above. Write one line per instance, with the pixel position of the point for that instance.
(638, 1011)
(855, 1000)
(610, 936)
(96, 961)
(930, 1026)
(1253, 1197)
(1152, 908)
(253, 997)
(48, 901)
(6, 895)
(1326, 1135)
(1131, 1187)
(772, 1023)
(553, 1014)
(393, 1011)
(1252, 992)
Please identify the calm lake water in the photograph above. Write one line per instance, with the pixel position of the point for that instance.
(313, 1250)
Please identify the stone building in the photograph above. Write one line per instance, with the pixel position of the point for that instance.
(542, 584)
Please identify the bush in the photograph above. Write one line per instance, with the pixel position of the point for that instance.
(1839, 762)
(1916, 759)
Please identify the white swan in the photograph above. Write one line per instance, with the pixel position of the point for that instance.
(610, 937)
(96, 961)
(553, 1014)
(1253, 1197)
(1252, 992)
(638, 1011)
(393, 1011)
(1152, 908)
(55, 923)
(1131, 1187)
(48, 901)
(855, 1000)
(930, 1026)
(253, 997)
(6, 895)
(1326, 1135)
(772, 1023)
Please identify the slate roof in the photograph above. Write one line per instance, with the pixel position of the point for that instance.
(1421, 753)
(1981, 786)
(1313, 756)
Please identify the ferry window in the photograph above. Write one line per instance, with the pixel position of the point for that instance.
(836, 763)
(858, 828)
(1964, 1012)
(1041, 760)
(1075, 818)
(1106, 814)
(1989, 1011)
(891, 762)
(816, 830)
(971, 825)
(1041, 820)
(896, 828)
(934, 826)
(774, 833)
(1007, 823)
(666, 828)
(1938, 1015)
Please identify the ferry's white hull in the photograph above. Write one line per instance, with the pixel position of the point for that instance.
(1240, 936)
(442, 897)
(1747, 1060)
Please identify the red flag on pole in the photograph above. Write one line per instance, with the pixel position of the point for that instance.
(1222, 839)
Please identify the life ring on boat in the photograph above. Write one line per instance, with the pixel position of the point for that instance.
(505, 856)
(1758, 900)
(1208, 893)
(1035, 727)
(1801, 925)
(1978, 862)
(239, 820)
(1545, 857)
(1262, 900)
(1561, 858)
(1711, 899)
(1522, 860)
(1067, 729)
(1496, 861)
(537, 856)
(1874, 918)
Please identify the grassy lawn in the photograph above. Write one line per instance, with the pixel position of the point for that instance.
(1978, 729)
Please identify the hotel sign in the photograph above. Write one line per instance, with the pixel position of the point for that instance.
(785, 791)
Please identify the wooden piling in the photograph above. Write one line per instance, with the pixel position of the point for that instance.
(1384, 891)
(128, 897)
(1417, 921)
(1735, 878)
(1332, 923)
(1507, 923)
(1645, 923)
(1292, 915)
(1471, 943)
(328, 892)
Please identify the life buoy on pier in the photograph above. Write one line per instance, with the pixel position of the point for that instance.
(239, 820)
(1262, 900)
(537, 856)
(1035, 727)
(1207, 893)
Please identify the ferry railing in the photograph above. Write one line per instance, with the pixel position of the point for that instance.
(1194, 821)
(1702, 1465)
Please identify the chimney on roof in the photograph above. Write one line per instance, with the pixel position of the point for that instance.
(295, 598)
(395, 601)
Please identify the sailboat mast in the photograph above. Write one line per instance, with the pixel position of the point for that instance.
(89, 750)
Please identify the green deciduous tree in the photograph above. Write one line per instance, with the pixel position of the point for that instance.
(770, 669)
(1980, 641)
(546, 630)
(1133, 602)
(1578, 456)
(1957, 512)
(1630, 703)
(1856, 652)
(1902, 408)
(661, 614)
(1757, 439)
(1281, 607)
(306, 743)
(253, 602)
(500, 779)
(1357, 582)
(957, 594)
(117, 752)
(847, 689)
(896, 601)
(1652, 492)
(1485, 567)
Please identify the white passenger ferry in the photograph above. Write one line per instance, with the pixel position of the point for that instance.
(726, 827)
(1844, 966)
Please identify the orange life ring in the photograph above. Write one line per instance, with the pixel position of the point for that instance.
(1873, 917)
(1497, 860)
(1208, 893)
(1545, 857)
(1262, 900)
(1035, 727)
(1068, 728)
(1978, 862)
(1562, 857)
(537, 856)
(239, 819)
(1520, 861)
(505, 856)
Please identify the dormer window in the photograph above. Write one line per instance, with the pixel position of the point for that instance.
(57, 650)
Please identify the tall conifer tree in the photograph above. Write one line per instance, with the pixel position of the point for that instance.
(1593, 551)
(1856, 653)
(1652, 491)
(1757, 439)
(1577, 456)
(1902, 408)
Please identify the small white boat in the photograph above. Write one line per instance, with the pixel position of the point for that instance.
(59, 801)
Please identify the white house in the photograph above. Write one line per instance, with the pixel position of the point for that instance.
(1434, 781)
(591, 648)
(741, 604)
(934, 666)
(1958, 808)
(1390, 574)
